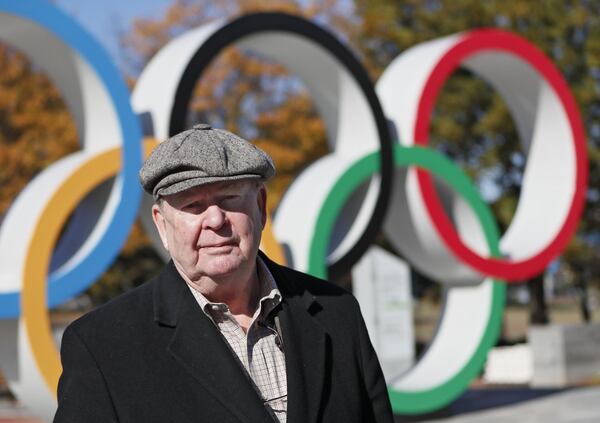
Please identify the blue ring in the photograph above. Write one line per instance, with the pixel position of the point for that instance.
(65, 286)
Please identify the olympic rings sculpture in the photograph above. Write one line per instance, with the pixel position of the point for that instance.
(332, 211)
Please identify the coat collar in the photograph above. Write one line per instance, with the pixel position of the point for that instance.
(305, 341)
(200, 348)
(169, 291)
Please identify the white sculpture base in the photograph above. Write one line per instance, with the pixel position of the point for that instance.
(564, 355)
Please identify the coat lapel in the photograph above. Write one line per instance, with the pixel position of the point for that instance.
(198, 346)
(305, 343)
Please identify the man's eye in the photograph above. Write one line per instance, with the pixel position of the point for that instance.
(195, 206)
(230, 200)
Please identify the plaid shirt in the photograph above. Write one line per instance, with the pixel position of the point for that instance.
(257, 350)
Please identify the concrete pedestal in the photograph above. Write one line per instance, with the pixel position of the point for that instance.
(564, 355)
(381, 284)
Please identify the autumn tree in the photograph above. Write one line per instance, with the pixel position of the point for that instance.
(36, 127)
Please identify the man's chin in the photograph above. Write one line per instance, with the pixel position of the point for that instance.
(222, 265)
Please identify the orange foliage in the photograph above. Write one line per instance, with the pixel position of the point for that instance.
(36, 128)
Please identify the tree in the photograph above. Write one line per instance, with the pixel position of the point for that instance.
(36, 127)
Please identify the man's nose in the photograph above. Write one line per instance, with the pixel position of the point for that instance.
(214, 217)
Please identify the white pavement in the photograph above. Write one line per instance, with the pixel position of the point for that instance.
(580, 405)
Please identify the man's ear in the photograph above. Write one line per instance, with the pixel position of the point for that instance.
(262, 204)
(161, 224)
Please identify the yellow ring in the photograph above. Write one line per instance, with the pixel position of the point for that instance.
(270, 246)
(33, 295)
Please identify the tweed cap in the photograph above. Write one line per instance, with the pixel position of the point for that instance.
(202, 155)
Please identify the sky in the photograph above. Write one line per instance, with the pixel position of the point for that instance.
(106, 19)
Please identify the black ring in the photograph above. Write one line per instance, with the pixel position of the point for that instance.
(261, 22)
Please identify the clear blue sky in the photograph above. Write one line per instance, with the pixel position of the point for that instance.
(106, 19)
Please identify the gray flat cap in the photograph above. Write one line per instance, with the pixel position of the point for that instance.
(202, 155)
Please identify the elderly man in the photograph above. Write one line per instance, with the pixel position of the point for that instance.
(222, 334)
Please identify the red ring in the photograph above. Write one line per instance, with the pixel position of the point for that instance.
(475, 42)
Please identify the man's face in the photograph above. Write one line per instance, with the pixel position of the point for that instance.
(213, 230)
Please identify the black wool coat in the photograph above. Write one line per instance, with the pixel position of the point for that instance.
(151, 355)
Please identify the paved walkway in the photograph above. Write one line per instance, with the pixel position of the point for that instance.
(580, 405)
(532, 406)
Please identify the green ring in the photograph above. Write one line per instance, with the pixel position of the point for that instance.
(435, 398)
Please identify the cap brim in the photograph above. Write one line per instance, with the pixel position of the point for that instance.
(195, 182)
